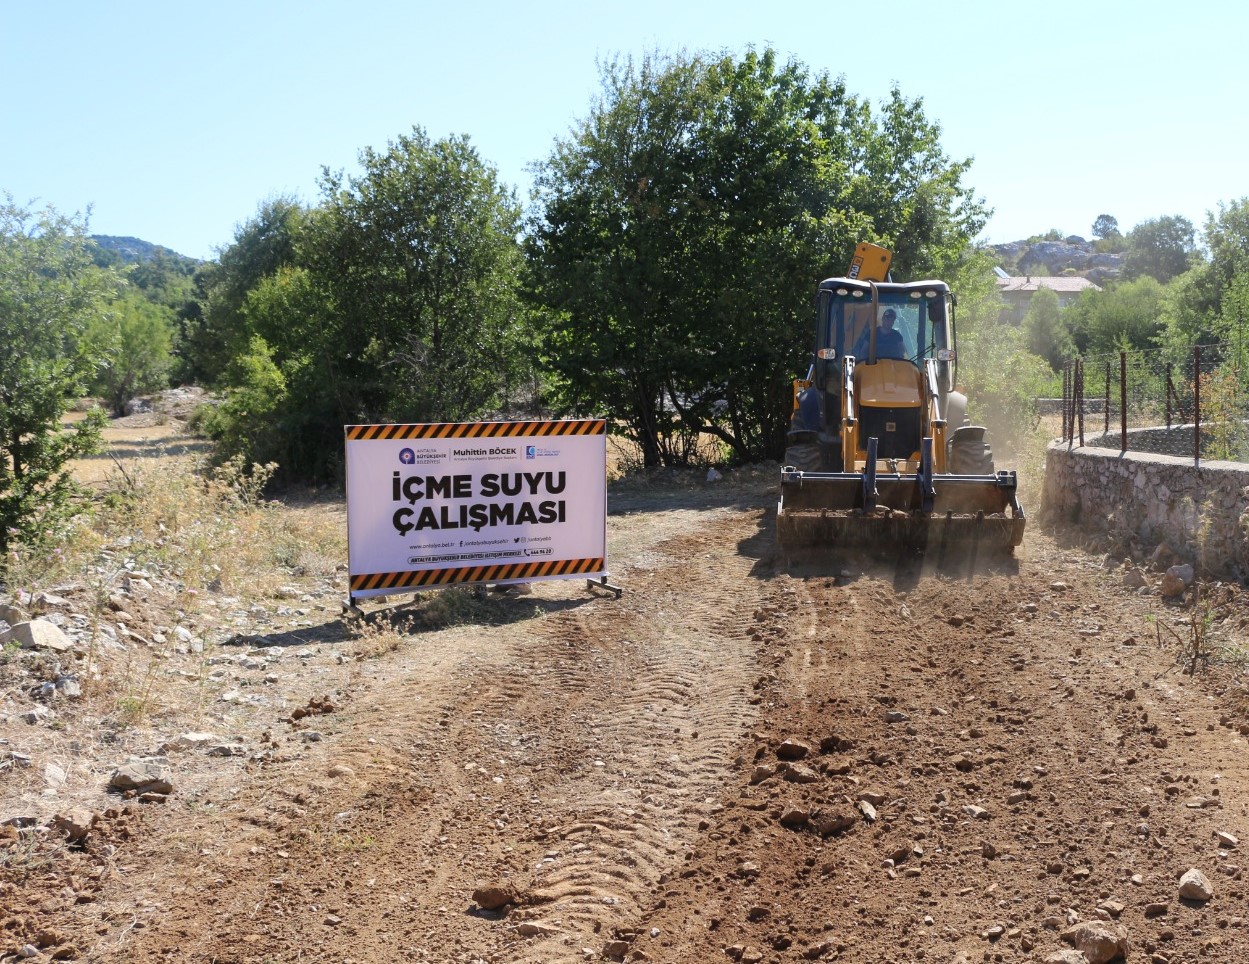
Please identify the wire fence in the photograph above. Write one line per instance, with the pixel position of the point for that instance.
(1194, 405)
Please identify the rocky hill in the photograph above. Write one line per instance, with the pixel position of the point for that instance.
(1071, 256)
(130, 250)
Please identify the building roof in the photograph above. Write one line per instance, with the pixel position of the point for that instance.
(1064, 283)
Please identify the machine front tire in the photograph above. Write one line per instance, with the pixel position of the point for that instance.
(971, 455)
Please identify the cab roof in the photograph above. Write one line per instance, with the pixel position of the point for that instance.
(884, 287)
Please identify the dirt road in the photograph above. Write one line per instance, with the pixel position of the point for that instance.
(730, 762)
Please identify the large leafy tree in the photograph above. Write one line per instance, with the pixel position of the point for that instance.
(393, 300)
(133, 340)
(1105, 226)
(214, 329)
(1162, 248)
(1210, 301)
(420, 257)
(680, 229)
(1044, 331)
(50, 292)
(1125, 317)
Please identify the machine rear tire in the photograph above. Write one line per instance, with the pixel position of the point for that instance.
(804, 456)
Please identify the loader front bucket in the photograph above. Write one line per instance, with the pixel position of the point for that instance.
(821, 511)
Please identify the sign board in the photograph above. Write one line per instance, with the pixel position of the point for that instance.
(475, 502)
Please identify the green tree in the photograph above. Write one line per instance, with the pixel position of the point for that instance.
(394, 300)
(1125, 317)
(1044, 332)
(50, 291)
(133, 341)
(1105, 226)
(421, 259)
(682, 226)
(213, 329)
(1162, 248)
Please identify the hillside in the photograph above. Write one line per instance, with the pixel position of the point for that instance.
(130, 250)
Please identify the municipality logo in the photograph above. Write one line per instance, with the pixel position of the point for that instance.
(407, 456)
(531, 451)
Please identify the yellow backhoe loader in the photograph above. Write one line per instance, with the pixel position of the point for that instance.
(879, 454)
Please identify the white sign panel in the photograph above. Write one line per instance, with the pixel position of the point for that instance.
(478, 502)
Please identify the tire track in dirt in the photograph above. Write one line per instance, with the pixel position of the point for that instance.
(665, 697)
(573, 755)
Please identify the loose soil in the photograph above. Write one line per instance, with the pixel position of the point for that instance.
(733, 761)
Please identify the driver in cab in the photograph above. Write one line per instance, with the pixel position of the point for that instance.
(889, 342)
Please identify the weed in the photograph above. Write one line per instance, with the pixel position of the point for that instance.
(1202, 641)
(28, 855)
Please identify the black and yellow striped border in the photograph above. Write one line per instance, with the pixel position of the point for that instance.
(553, 429)
(424, 578)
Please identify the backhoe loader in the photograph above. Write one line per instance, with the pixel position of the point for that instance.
(879, 454)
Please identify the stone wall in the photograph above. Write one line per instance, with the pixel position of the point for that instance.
(1200, 512)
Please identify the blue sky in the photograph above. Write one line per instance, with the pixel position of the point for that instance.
(175, 120)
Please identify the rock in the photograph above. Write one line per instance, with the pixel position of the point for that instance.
(36, 634)
(227, 749)
(75, 824)
(54, 776)
(792, 750)
(976, 813)
(68, 687)
(713, 475)
(615, 950)
(868, 811)
(1183, 573)
(747, 869)
(1195, 885)
(1059, 587)
(533, 928)
(340, 771)
(1099, 942)
(1134, 579)
(138, 406)
(834, 821)
(1171, 586)
(765, 771)
(1225, 839)
(794, 817)
(800, 773)
(1067, 956)
(494, 896)
(12, 615)
(142, 778)
(1156, 908)
(896, 716)
(187, 741)
(1111, 907)
(37, 714)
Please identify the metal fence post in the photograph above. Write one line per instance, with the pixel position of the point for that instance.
(1106, 408)
(1080, 393)
(1169, 384)
(1123, 401)
(1066, 398)
(1197, 405)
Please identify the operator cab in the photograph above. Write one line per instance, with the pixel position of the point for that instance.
(923, 317)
